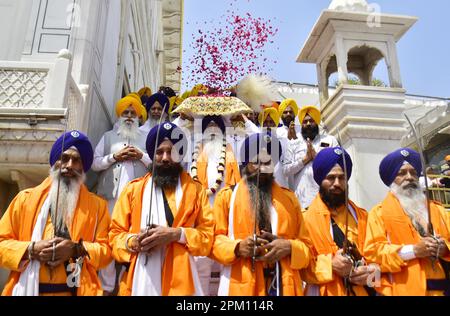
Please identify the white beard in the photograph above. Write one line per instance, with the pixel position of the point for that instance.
(154, 122)
(128, 132)
(69, 192)
(413, 202)
(213, 148)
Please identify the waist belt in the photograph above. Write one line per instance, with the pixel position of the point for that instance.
(48, 288)
(439, 285)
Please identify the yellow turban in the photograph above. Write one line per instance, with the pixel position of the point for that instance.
(186, 95)
(311, 111)
(199, 88)
(273, 114)
(174, 101)
(144, 110)
(145, 91)
(136, 96)
(131, 100)
(288, 103)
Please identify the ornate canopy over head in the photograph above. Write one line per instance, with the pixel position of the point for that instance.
(209, 105)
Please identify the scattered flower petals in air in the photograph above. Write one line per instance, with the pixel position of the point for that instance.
(228, 50)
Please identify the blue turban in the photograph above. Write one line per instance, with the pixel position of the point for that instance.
(213, 118)
(326, 159)
(254, 143)
(391, 164)
(73, 139)
(166, 131)
(161, 98)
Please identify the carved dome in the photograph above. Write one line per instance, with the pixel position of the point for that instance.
(349, 5)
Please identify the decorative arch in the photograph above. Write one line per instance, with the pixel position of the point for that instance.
(362, 60)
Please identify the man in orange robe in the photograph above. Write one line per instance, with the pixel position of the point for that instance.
(414, 259)
(331, 273)
(214, 166)
(271, 265)
(157, 243)
(39, 252)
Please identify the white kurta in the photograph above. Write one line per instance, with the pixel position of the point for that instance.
(303, 176)
(103, 161)
(282, 178)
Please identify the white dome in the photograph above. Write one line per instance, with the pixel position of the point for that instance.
(349, 5)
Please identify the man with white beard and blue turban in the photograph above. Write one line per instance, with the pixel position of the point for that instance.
(56, 227)
(413, 258)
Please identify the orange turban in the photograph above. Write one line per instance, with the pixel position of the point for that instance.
(311, 111)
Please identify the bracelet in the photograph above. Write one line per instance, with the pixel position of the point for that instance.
(126, 243)
(31, 250)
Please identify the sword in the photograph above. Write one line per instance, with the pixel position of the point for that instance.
(346, 252)
(349, 248)
(149, 217)
(55, 225)
(431, 231)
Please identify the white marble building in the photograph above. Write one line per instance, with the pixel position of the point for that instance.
(75, 59)
(352, 37)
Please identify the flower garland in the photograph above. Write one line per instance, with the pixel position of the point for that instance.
(220, 168)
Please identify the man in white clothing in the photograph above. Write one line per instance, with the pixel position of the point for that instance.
(301, 152)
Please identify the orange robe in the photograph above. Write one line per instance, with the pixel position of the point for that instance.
(388, 230)
(320, 272)
(243, 281)
(232, 174)
(90, 222)
(194, 215)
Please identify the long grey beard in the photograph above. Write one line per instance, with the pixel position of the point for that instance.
(413, 202)
(69, 192)
(128, 132)
(154, 122)
(261, 200)
(213, 147)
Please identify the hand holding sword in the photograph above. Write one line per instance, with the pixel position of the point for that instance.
(431, 231)
(150, 217)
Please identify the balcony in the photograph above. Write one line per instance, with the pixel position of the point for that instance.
(36, 101)
(440, 194)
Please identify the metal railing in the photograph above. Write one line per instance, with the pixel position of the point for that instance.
(440, 194)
